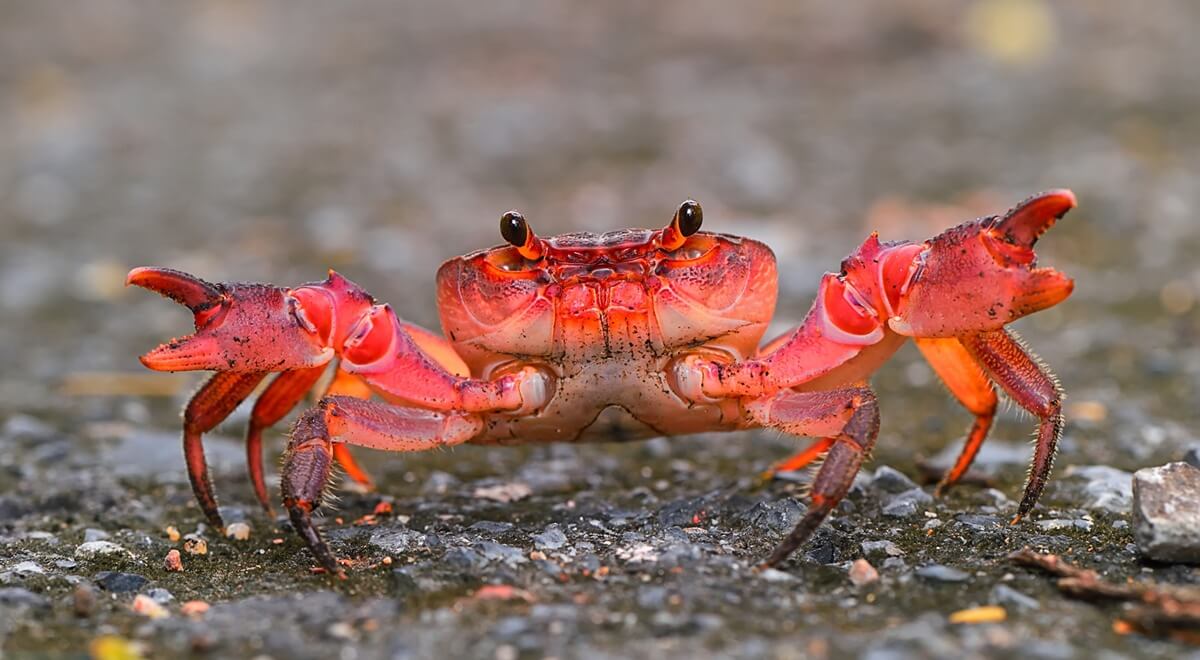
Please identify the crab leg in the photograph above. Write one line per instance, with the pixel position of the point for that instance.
(276, 401)
(970, 385)
(1033, 388)
(800, 459)
(345, 384)
(213, 402)
(339, 419)
(851, 417)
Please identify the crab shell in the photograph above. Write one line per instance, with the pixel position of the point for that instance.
(604, 315)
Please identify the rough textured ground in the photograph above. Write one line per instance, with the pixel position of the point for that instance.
(263, 141)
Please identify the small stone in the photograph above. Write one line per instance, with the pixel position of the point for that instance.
(510, 492)
(776, 575)
(94, 549)
(552, 538)
(881, 549)
(148, 607)
(83, 601)
(193, 608)
(238, 531)
(906, 503)
(65, 564)
(1192, 456)
(160, 595)
(20, 597)
(194, 544)
(979, 523)
(940, 573)
(172, 534)
(117, 582)
(890, 480)
(1003, 594)
(1104, 488)
(862, 573)
(27, 569)
(1166, 512)
(491, 527)
(91, 534)
(1059, 524)
(173, 561)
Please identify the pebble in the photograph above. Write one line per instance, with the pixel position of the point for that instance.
(173, 562)
(881, 549)
(491, 527)
(979, 523)
(193, 608)
(552, 538)
(27, 569)
(21, 597)
(940, 573)
(1103, 487)
(1166, 512)
(117, 582)
(94, 549)
(906, 503)
(238, 531)
(83, 600)
(890, 480)
(776, 575)
(862, 573)
(1192, 456)
(160, 595)
(194, 544)
(1058, 524)
(148, 607)
(1003, 594)
(91, 534)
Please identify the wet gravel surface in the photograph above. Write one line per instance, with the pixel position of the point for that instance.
(263, 141)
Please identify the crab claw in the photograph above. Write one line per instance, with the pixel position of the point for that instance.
(1027, 221)
(982, 274)
(239, 327)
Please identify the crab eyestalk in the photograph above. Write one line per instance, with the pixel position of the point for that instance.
(240, 328)
(687, 221)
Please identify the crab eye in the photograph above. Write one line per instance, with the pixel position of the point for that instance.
(685, 223)
(514, 229)
(689, 217)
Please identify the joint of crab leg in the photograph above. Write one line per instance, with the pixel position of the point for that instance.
(698, 379)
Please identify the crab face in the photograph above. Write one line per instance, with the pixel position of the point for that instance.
(626, 292)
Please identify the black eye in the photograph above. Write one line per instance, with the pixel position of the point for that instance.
(513, 228)
(690, 217)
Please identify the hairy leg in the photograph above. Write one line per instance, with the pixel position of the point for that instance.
(1033, 388)
(969, 384)
(308, 462)
(851, 417)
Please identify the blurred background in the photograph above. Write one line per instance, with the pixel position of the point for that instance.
(243, 140)
(268, 141)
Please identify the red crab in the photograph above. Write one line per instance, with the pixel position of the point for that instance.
(656, 332)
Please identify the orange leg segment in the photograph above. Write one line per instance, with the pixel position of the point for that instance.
(277, 400)
(213, 402)
(970, 385)
(800, 459)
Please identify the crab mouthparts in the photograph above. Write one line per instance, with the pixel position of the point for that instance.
(1027, 221)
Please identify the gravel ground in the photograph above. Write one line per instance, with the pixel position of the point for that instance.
(269, 141)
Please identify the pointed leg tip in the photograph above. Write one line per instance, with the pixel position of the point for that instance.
(1016, 519)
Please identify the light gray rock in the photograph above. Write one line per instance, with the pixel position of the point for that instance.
(93, 549)
(1102, 487)
(1166, 512)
